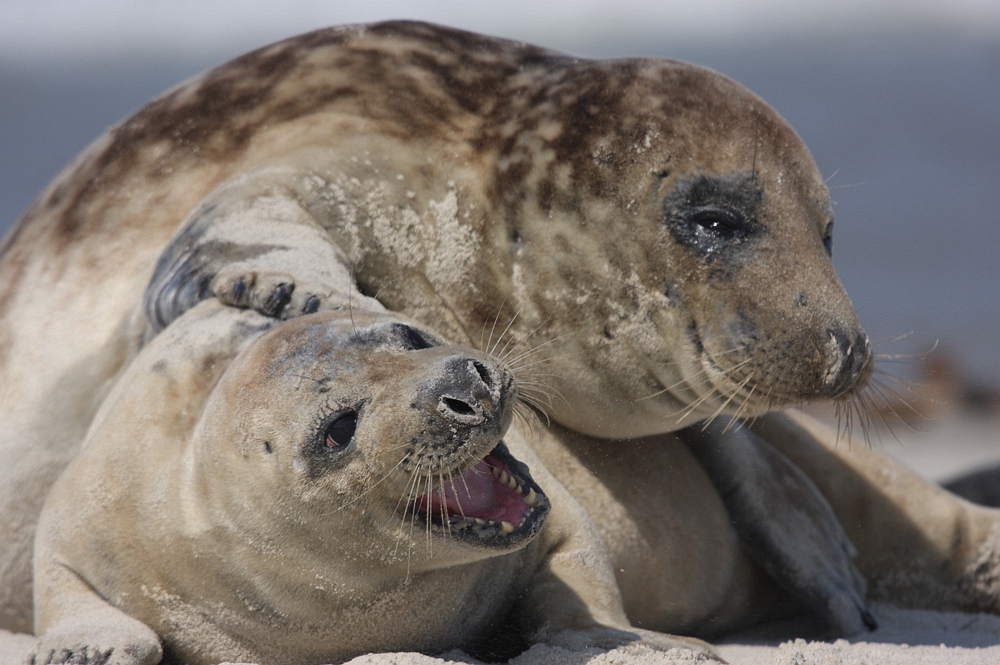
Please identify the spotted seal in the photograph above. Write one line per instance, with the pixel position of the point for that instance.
(652, 229)
(308, 492)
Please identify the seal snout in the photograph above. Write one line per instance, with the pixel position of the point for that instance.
(849, 362)
(470, 391)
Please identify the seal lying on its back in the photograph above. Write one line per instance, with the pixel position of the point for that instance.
(652, 227)
(331, 487)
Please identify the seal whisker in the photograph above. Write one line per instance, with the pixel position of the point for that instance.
(712, 392)
(444, 504)
(496, 319)
(492, 349)
(350, 304)
(704, 371)
(521, 368)
(745, 405)
(540, 388)
(451, 479)
(538, 347)
(529, 417)
(427, 522)
(539, 400)
(726, 403)
(533, 349)
(890, 395)
(373, 486)
(908, 386)
(873, 395)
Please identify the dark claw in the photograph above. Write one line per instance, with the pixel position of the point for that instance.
(239, 290)
(312, 304)
(278, 299)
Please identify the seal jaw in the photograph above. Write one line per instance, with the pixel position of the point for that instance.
(494, 503)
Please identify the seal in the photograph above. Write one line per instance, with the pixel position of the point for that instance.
(307, 492)
(650, 230)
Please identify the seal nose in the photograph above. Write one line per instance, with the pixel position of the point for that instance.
(471, 394)
(849, 362)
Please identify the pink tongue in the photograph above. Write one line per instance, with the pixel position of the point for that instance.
(474, 493)
(477, 494)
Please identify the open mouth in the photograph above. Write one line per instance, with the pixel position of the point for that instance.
(495, 503)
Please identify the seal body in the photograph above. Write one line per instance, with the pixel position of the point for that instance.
(646, 242)
(306, 492)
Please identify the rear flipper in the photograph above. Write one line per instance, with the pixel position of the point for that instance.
(787, 526)
(981, 487)
(243, 245)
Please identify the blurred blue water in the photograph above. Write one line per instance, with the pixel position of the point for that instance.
(907, 130)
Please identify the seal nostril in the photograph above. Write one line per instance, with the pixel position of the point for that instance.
(483, 373)
(849, 363)
(458, 406)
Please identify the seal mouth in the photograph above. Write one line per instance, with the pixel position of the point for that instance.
(495, 503)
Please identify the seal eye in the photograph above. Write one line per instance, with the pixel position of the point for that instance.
(341, 431)
(828, 239)
(720, 222)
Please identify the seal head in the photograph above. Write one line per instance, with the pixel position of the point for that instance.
(405, 425)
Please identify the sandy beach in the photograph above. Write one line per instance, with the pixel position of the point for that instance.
(905, 637)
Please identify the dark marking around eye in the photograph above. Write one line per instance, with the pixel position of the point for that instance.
(712, 214)
(415, 341)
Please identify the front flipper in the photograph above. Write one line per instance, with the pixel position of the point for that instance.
(785, 523)
(79, 627)
(252, 244)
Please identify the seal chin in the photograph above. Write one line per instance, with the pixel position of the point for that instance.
(495, 504)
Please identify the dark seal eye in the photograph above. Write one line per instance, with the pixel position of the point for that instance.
(341, 431)
(716, 215)
(720, 222)
(828, 239)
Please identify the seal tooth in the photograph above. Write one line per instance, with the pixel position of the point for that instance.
(496, 471)
(504, 477)
(531, 497)
(480, 522)
(512, 483)
(507, 527)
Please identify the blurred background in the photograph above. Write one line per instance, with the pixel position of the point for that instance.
(899, 103)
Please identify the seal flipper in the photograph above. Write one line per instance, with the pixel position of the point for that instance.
(243, 244)
(786, 525)
(77, 626)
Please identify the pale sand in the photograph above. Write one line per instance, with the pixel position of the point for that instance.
(910, 637)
